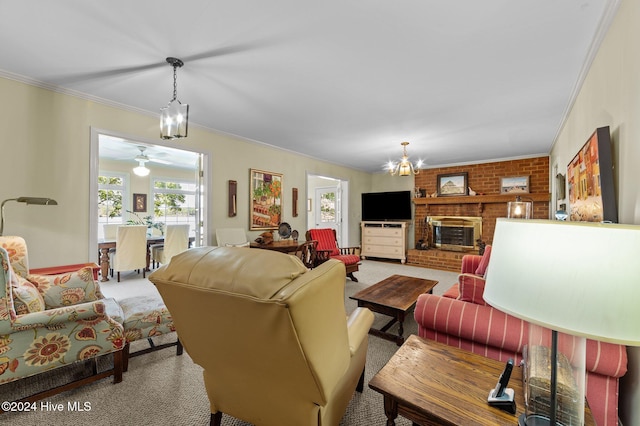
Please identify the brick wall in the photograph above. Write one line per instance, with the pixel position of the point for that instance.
(484, 179)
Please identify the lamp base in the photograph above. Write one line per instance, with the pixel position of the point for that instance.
(534, 420)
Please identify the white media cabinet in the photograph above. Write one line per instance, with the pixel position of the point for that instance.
(384, 239)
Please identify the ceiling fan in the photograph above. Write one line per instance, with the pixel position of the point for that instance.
(215, 52)
(142, 158)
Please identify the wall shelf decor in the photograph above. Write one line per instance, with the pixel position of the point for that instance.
(233, 198)
(294, 200)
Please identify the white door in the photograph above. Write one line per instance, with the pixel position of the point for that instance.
(327, 215)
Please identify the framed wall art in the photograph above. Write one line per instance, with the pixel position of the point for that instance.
(266, 199)
(590, 180)
(453, 184)
(139, 203)
(514, 185)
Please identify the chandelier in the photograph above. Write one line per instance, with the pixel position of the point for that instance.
(174, 118)
(404, 167)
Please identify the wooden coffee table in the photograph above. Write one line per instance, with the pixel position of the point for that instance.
(431, 383)
(393, 296)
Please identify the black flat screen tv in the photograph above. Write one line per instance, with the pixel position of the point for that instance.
(386, 206)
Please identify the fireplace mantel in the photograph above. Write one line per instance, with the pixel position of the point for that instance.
(480, 199)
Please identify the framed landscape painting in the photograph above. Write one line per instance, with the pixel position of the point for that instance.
(453, 184)
(266, 199)
(514, 185)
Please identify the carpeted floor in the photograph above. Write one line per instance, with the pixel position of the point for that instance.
(161, 388)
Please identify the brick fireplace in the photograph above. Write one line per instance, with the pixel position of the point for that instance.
(488, 205)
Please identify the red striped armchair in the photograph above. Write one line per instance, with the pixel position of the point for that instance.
(328, 249)
(462, 319)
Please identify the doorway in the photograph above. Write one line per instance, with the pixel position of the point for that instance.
(171, 190)
(327, 206)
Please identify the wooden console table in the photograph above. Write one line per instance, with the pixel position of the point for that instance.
(431, 383)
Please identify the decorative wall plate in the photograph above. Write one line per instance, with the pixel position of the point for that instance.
(284, 230)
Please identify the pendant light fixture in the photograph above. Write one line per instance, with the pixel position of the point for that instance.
(174, 118)
(404, 167)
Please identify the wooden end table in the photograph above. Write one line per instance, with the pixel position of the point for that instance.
(393, 296)
(431, 383)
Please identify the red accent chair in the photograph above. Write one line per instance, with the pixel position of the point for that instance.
(328, 249)
(461, 318)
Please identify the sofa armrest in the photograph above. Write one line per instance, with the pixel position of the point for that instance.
(53, 317)
(470, 263)
(67, 289)
(358, 325)
(487, 326)
(476, 323)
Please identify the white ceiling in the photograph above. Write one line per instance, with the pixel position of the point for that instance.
(345, 81)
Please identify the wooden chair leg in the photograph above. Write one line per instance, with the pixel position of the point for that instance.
(353, 277)
(125, 357)
(118, 276)
(216, 419)
(118, 363)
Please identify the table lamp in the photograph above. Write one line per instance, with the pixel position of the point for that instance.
(519, 209)
(28, 200)
(578, 278)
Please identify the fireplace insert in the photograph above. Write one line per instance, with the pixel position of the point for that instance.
(456, 233)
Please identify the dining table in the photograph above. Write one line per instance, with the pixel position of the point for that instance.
(104, 245)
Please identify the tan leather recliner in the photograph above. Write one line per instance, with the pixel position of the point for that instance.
(273, 337)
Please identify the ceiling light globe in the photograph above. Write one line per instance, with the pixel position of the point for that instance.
(141, 170)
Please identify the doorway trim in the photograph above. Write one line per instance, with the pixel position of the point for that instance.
(94, 169)
(343, 187)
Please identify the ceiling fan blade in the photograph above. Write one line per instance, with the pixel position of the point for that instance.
(222, 51)
(216, 52)
(159, 161)
(74, 78)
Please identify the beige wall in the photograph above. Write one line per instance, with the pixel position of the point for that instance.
(48, 152)
(610, 96)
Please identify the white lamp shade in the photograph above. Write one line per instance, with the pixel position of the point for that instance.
(579, 278)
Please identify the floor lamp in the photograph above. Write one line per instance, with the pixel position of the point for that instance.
(28, 200)
(578, 278)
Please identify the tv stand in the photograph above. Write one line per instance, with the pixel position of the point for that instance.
(387, 240)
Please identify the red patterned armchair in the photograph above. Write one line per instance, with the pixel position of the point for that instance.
(462, 319)
(328, 249)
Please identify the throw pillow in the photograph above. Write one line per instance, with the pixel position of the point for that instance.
(26, 297)
(471, 289)
(484, 262)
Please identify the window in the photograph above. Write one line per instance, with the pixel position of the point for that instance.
(174, 201)
(112, 193)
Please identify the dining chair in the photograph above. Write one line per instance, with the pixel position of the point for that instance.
(131, 249)
(109, 231)
(231, 237)
(176, 241)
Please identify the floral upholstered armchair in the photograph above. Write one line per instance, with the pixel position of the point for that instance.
(49, 321)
